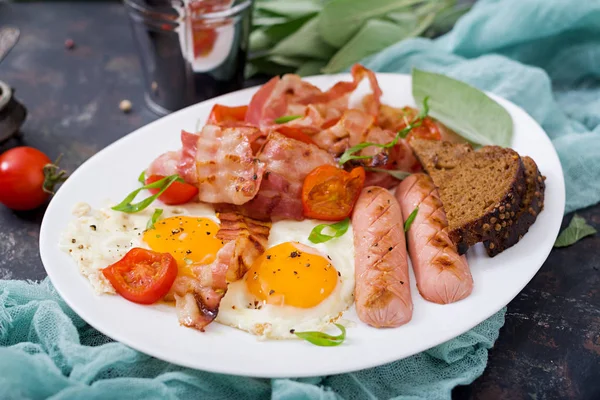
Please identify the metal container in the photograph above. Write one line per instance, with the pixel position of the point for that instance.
(190, 50)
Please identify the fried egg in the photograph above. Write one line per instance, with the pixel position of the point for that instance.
(97, 238)
(294, 286)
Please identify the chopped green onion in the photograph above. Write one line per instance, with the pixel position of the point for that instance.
(142, 178)
(323, 339)
(400, 175)
(349, 153)
(410, 219)
(162, 184)
(157, 213)
(286, 118)
(316, 235)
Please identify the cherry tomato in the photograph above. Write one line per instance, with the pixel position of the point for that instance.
(427, 130)
(221, 113)
(25, 183)
(295, 132)
(177, 193)
(329, 193)
(142, 276)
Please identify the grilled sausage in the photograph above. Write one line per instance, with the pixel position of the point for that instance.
(442, 275)
(382, 291)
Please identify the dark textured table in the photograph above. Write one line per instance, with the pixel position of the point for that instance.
(550, 345)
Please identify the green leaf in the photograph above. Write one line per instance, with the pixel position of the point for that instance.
(294, 62)
(278, 32)
(410, 219)
(463, 108)
(259, 40)
(305, 42)
(286, 118)
(162, 184)
(374, 36)
(400, 175)
(339, 228)
(266, 66)
(290, 9)
(155, 216)
(142, 178)
(268, 21)
(447, 18)
(323, 339)
(312, 67)
(341, 19)
(577, 230)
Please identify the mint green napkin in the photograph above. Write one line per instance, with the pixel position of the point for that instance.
(548, 63)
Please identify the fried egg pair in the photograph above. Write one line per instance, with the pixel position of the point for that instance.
(294, 285)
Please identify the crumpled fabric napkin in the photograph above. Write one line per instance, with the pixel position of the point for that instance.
(547, 60)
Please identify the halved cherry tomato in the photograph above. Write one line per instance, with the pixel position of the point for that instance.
(221, 113)
(427, 130)
(142, 276)
(177, 193)
(329, 193)
(295, 132)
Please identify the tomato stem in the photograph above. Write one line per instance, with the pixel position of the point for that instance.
(53, 176)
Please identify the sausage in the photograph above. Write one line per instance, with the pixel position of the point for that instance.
(382, 290)
(442, 275)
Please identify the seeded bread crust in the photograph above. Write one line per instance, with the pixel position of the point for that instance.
(531, 205)
(438, 158)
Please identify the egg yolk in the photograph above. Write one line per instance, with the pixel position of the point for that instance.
(291, 274)
(190, 240)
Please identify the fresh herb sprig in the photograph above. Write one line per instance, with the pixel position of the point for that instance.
(577, 230)
(286, 118)
(155, 216)
(163, 184)
(339, 228)
(323, 339)
(396, 173)
(349, 154)
(410, 219)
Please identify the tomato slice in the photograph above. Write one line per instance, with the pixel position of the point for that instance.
(177, 193)
(295, 132)
(142, 276)
(427, 130)
(329, 193)
(221, 113)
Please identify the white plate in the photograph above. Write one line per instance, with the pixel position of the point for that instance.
(154, 330)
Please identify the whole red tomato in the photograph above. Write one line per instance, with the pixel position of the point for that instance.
(27, 178)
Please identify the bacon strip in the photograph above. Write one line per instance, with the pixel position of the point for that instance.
(287, 161)
(226, 169)
(198, 298)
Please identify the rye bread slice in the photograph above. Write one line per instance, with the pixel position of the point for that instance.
(474, 187)
(532, 203)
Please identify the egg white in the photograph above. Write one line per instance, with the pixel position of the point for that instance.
(97, 238)
(239, 308)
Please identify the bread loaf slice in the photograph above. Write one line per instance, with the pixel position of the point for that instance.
(478, 188)
(532, 203)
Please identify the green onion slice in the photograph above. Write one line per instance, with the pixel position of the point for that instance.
(316, 235)
(410, 219)
(286, 118)
(349, 153)
(157, 213)
(163, 184)
(396, 173)
(323, 339)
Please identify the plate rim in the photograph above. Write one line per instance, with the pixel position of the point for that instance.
(218, 368)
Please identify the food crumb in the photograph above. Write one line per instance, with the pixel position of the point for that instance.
(125, 106)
